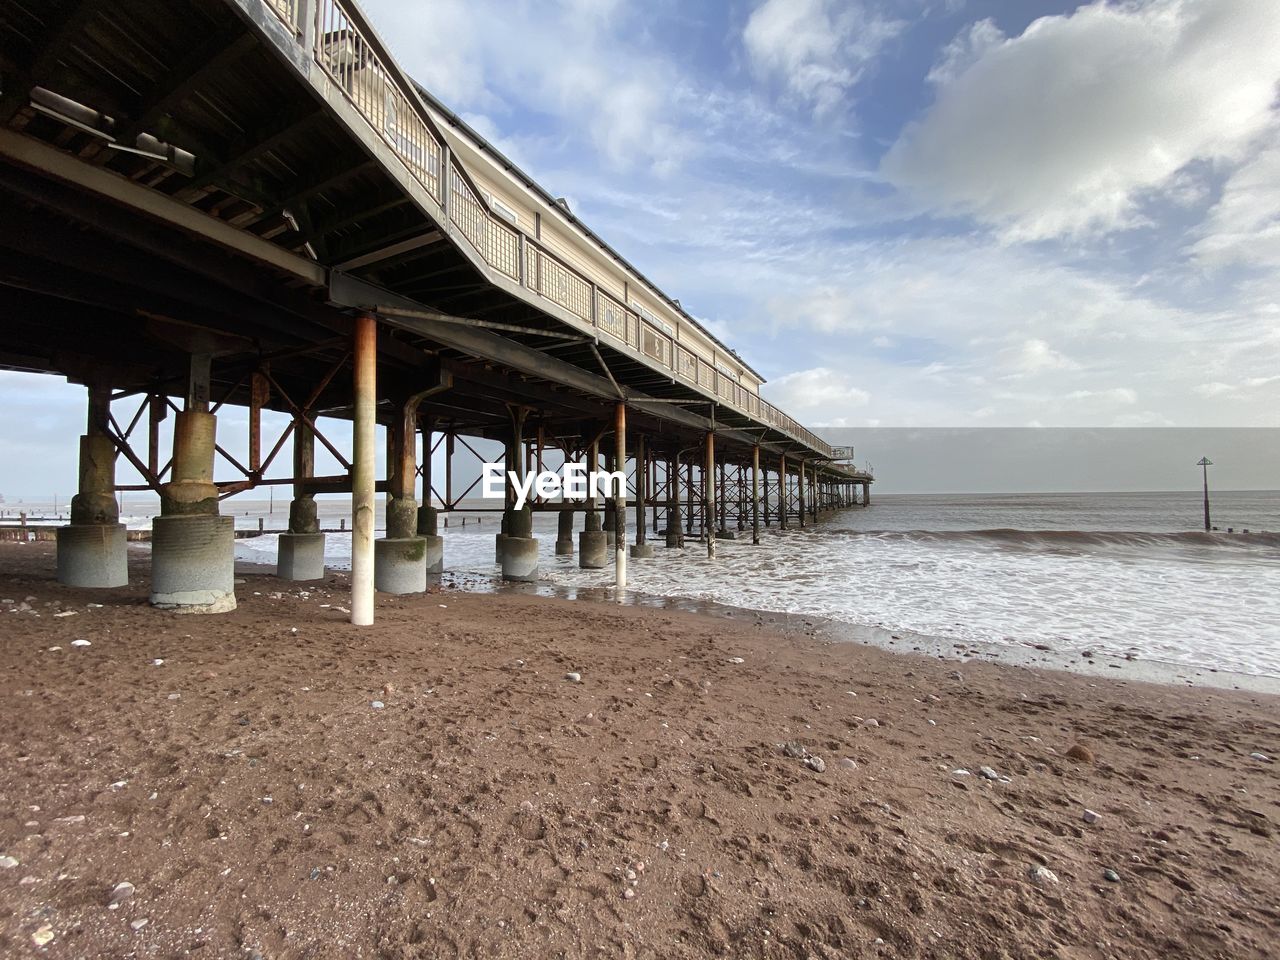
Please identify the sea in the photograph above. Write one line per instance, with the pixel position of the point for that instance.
(1124, 575)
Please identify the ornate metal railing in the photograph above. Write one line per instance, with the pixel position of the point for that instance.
(345, 48)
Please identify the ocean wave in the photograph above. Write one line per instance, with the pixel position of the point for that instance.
(1066, 539)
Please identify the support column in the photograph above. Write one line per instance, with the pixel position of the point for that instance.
(593, 544)
(800, 494)
(674, 530)
(428, 516)
(782, 492)
(363, 467)
(93, 550)
(866, 493)
(641, 547)
(689, 493)
(192, 547)
(755, 495)
(518, 549)
(300, 551)
(620, 504)
(400, 558)
(709, 495)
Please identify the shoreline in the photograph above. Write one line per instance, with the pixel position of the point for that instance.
(828, 629)
(285, 784)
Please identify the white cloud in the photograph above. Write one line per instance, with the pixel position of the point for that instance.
(1034, 356)
(1063, 130)
(1120, 396)
(1244, 225)
(820, 389)
(819, 49)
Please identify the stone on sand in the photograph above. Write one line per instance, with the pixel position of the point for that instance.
(1041, 876)
(1081, 753)
(816, 764)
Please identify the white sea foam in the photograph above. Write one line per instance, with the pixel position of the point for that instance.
(1201, 600)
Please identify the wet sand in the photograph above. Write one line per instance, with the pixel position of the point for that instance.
(261, 802)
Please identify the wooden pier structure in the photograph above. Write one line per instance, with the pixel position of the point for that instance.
(248, 203)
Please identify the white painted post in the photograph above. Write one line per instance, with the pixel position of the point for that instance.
(363, 467)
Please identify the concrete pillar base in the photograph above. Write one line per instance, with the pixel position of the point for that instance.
(193, 563)
(93, 555)
(726, 535)
(433, 547)
(497, 547)
(300, 556)
(400, 565)
(564, 548)
(519, 559)
(593, 550)
(642, 551)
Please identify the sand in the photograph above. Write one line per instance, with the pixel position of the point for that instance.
(262, 803)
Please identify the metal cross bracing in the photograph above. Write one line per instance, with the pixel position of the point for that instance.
(230, 203)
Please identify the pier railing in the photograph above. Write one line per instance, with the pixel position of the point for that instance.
(346, 48)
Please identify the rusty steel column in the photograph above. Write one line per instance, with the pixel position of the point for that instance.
(801, 500)
(399, 558)
(755, 495)
(782, 492)
(620, 504)
(709, 495)
(363, 467)
(641, 548)
(674, 533)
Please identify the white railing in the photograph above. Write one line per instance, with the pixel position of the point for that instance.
(346, 51)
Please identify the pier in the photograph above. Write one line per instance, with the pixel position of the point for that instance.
(247, 203)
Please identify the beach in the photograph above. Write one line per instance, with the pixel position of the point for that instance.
(507, 775)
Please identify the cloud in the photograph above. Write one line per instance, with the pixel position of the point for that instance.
(819, 49)
(1034, 356)
(1065, 130)
(820, 390)
(1244, 225)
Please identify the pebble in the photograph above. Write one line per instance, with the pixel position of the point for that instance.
(1260, 756)
(377, 704)
(816, 764)
(848, 763)
(138, 924)
(988, 774)
(81, 643)
(794, 750)
(1111, 875)
(43, 936)
(1080, 752)
(961, 772)
(7, 863)
(628, 894)
(871, 722)
(121, 892)
(157, 662)
(1041, 875)
(736, 660)
(573, 677)
(1090, 816)
(174, 696)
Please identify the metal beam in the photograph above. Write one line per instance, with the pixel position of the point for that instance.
(34, 155)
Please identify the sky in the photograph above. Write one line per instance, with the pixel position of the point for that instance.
(903, 213)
